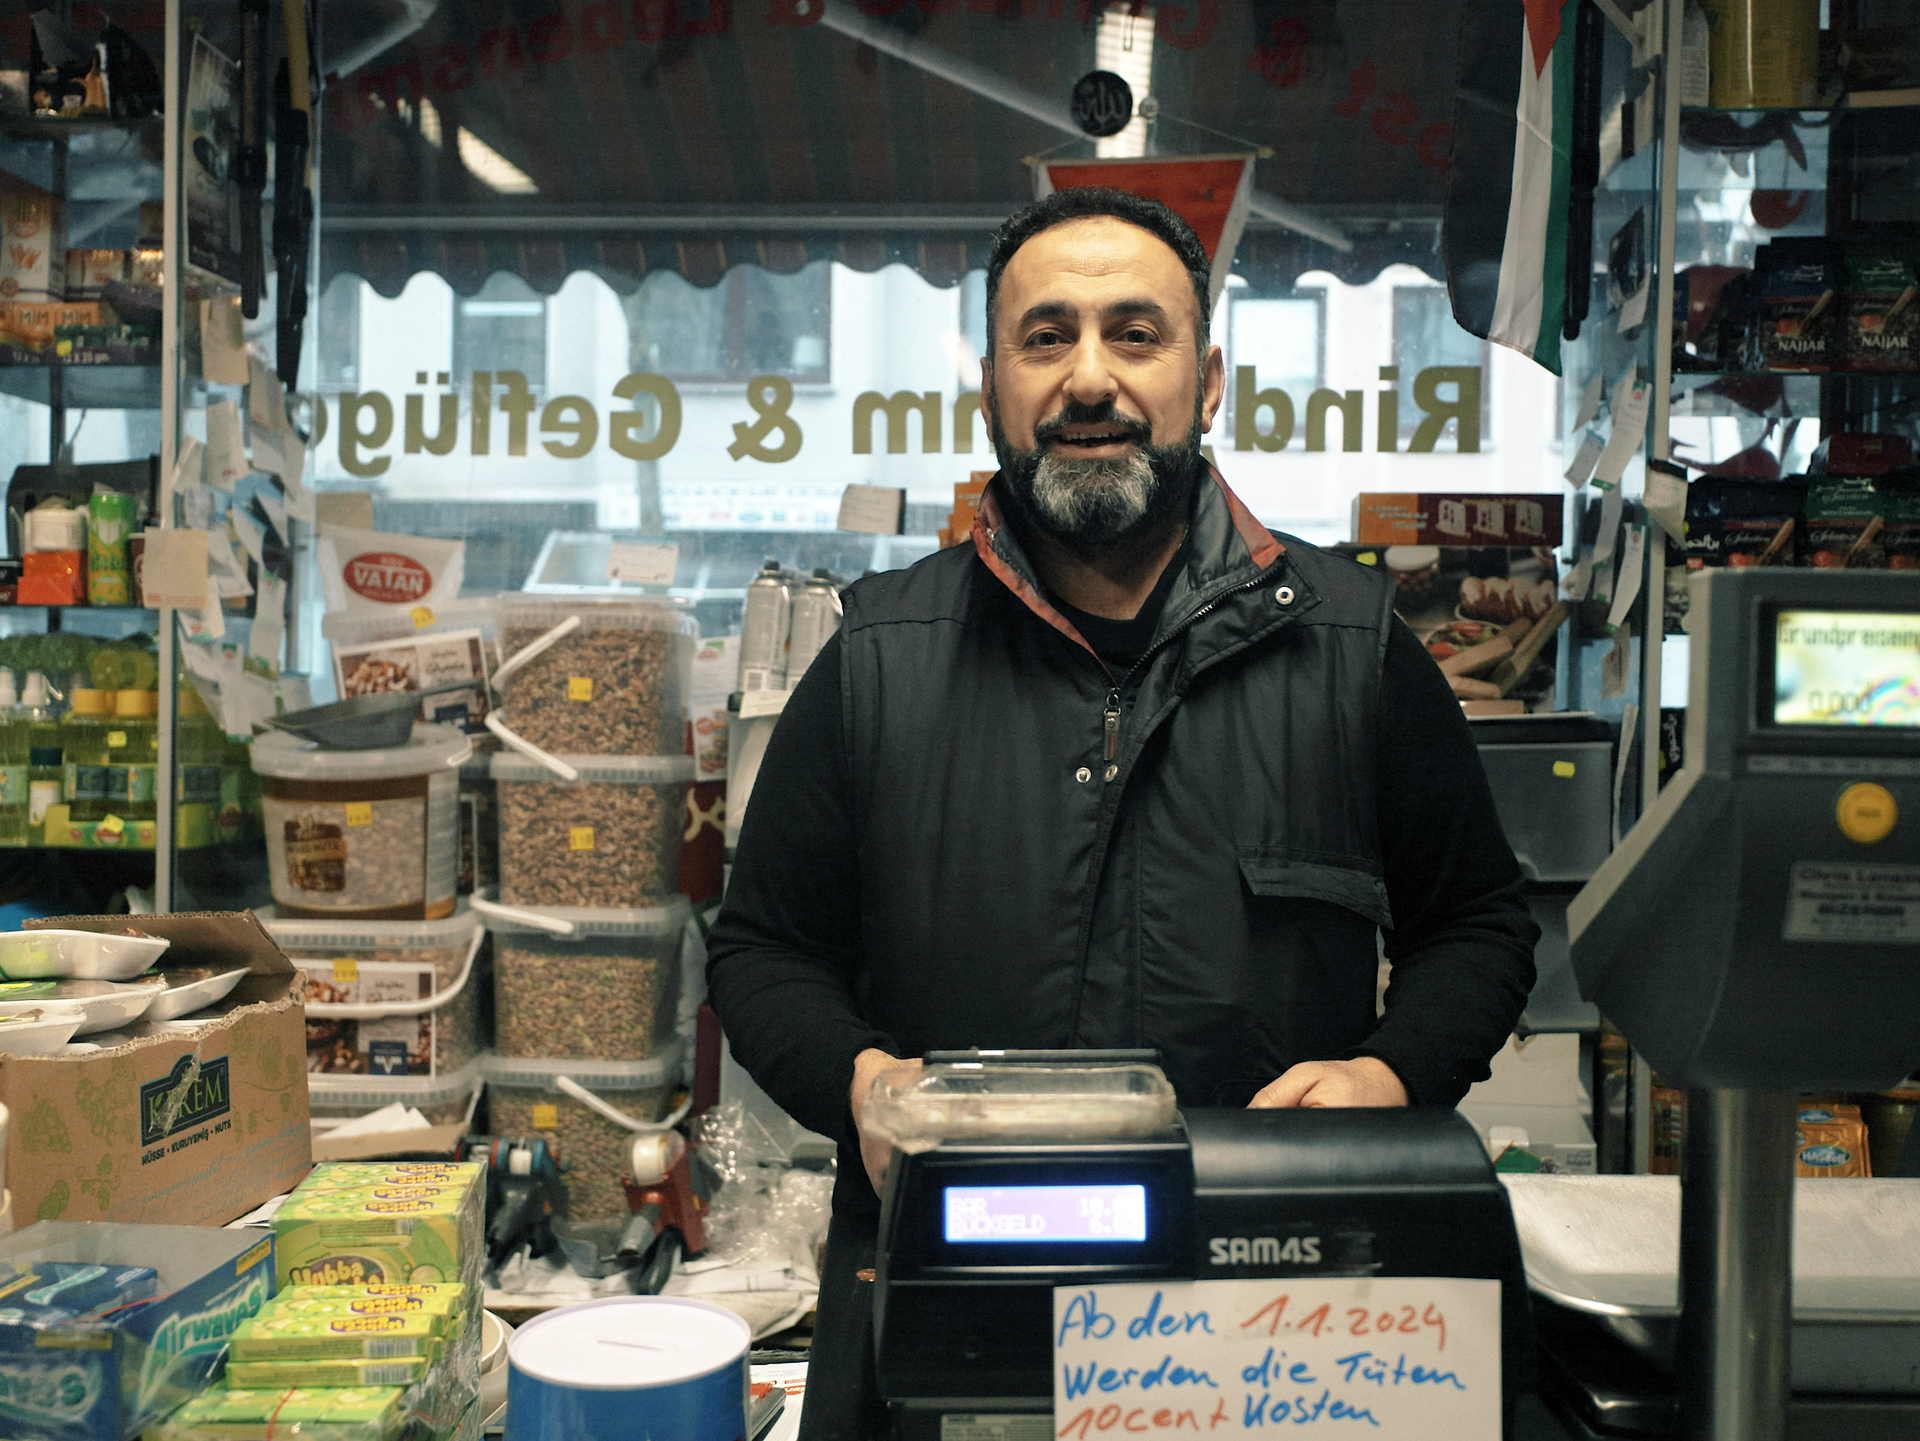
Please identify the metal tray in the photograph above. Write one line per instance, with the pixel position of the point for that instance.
(1609, 1247)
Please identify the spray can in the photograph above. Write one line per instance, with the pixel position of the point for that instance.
(816, 616)
(763, 631)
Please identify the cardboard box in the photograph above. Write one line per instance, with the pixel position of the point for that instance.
(32, 266)
(181, 1130)
(1380, 518)
(107, 1379)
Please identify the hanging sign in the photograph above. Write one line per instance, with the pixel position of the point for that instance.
(1209, 192)
(1102, 103)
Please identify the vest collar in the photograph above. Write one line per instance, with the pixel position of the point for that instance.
(1228, 549)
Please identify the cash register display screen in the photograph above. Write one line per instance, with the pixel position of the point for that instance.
(1846, 668)
(1000, 1214)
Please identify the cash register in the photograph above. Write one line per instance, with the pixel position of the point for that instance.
(1757, 935)
(1026, 1184)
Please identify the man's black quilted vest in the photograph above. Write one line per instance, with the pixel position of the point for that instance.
(1211, 888)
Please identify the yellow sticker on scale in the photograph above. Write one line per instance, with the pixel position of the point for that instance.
(580, 838)
(579, 687)
(359, 813)
(345, 972)
(422, 617)
(110, 826)
(116, 739)
(1563, 769)
(546, 1117)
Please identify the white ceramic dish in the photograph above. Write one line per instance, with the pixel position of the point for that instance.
(76, 955)
(39, 1030)
(102, 1005)
(182, 995)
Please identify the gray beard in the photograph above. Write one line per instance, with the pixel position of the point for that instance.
(1090, 506)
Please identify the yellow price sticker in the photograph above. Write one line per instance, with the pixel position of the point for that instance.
(110, 826)
(116, 739)
(422, 617)
(345, 972)
(546, 1117)
(579, 687)
(359, 813)
(580, 838)
(1563, 769)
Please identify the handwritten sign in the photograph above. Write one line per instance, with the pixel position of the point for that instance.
(1389, 1357)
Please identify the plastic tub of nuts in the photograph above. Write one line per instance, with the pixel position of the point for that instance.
(362, 835)
(389, 998)
(587, 675)
(599, 985)
(610, 838)
(592, 1137)
(441, 1099)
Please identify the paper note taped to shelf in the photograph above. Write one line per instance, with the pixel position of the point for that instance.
(1629, 430)
(280, 453)
(873, 509)
(643, 562)
(174, 571)
(223, 343)
(1584, 458)
(266, 399)
(1400, 1358)
(226, 455)
(1666, 500)
(1589, 401)
(1632, 569)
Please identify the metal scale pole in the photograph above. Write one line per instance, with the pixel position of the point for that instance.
(1736, 1265)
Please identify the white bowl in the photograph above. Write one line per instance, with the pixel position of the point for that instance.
(178, 1000)
(39, 1031)
(77, 955)
(101, 1005)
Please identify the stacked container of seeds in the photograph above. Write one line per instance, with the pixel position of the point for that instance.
(590, 699)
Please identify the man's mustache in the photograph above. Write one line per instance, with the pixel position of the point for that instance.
(1079, 413)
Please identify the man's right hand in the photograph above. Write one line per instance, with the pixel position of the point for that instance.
(874, 1151)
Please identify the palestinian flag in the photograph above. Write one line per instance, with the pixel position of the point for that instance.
(1510, 189)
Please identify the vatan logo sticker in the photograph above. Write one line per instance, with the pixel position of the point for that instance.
(390, 579)
(191, 1094)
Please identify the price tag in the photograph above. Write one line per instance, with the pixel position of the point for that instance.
(110, 828)
(345, 972)
(580, 838)
(546, 1117)
(1406, 1357)
(642, 562)
(579, 687)
(359, 813)
(116, 739)
(422, 617)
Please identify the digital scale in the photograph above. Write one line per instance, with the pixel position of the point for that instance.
(1757, 934)
(1072, 1168)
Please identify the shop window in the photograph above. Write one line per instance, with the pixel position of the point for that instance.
(754, 322)
(1284, 338)
(338, 328)
(1424, 335)
(504, 327)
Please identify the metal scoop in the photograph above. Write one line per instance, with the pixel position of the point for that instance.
(362, 722)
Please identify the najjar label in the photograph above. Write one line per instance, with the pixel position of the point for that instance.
(316, 855)
(390, 579)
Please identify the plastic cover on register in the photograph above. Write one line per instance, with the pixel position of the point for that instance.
(917, 1109)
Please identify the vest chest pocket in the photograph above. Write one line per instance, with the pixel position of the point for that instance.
(1278, 873)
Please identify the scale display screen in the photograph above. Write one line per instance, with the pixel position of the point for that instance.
(999, 1214)
(1846, 668)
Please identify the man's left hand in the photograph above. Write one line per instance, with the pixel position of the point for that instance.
(1363, 1081)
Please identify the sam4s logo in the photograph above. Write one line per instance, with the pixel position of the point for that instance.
(189, 1095)
(1264, 1250)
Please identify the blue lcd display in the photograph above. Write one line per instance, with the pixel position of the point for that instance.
(999, 1214)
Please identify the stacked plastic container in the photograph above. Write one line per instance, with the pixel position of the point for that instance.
(395, 1012)
(590, 700)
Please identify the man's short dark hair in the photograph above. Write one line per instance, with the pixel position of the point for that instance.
(1087, 202)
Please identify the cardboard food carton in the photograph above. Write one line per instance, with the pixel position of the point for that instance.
(32, 265)
(1383, 518)
(107, 1376)
(189, 1129)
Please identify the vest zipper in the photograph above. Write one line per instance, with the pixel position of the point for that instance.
(1111, 716)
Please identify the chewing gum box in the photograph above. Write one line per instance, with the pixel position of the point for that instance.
(445, 1312)
(279, 1337)
(357, 1371)
(349, 1230)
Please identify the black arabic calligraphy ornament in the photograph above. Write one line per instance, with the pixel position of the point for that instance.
(1102, 103)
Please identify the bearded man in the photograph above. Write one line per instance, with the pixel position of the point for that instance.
(1128, 770)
